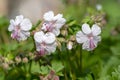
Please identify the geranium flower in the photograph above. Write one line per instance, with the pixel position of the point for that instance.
(89, 37)
(53, 23)
(20, 28)
(45, 43)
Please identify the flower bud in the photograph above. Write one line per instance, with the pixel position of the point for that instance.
(69, 45)
(18, 60)
(64, 32)
(5, 65)
(25, 60)
(72, 38)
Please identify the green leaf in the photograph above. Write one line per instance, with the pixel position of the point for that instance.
(57, 66)
(44, 70)
(35, 68)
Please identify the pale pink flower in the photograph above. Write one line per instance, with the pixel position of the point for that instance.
(89, 37)
(45, 43)
(53, 23)
(20, 28)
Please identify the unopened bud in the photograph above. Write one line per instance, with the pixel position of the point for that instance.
(5, 65)
(18, 59)
(25, 60)
(69, 45)
(72, 38)
(64, 32)
(56, 78)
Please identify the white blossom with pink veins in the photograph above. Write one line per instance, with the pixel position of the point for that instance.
(53, 23)
(45, 43)
(89, 37)
(20, 28)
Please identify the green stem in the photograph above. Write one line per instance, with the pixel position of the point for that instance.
(81, 59)
(60, 55)
(30, 65)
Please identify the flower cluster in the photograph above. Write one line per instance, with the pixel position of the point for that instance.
(89, 37)
(45, 38)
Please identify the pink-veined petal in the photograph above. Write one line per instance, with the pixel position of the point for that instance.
(86, 28)
(37, 46)
(80, 37)
(26, 25)
(96, 30)
(56, 31)
(49, 38)
(39, 37)
(23, 36)
(12, 25)
(60, 22)
(19, 19)
(86, 46)
(58, 16)
(48, 16)
(51, 47)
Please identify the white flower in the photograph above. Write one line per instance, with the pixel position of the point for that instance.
(45, 43)
(53, 23)
(20, 28)
(89, 37)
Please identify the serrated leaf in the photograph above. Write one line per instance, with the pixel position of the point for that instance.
(44, 70)
(57, 66)
(35, 68)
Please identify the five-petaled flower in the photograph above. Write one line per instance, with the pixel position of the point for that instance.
(89, 37)
(20, 28)
(45, 43)
(53, 23)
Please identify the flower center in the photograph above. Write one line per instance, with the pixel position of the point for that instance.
(90, 35)
(16, 31)
(91, 45)
(50, 25)
(42, 48)
(91, 42)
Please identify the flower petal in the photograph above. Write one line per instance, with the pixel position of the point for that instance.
(18, 19)
(38, 47)
(96, 30)
(58, 16)
(49, 38)
(86, 28)
(23, 36)
(26, 25)
(51, 48)
(48, 16)
(39, 36)
(56, 31)
(60, 22)
(11, 27)
(80, 37)
(86, 46)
